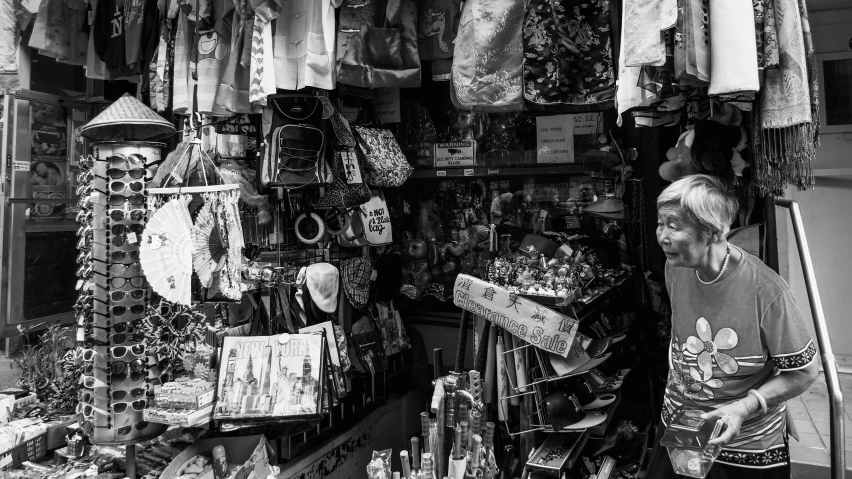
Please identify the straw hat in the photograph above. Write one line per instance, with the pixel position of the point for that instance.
(127, 119)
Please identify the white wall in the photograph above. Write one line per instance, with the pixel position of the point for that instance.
(826, 210)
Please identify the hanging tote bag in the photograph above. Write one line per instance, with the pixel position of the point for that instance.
(385, 164)
(375, 220)
(349, 188)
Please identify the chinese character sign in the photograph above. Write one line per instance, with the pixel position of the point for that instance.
(540, 326)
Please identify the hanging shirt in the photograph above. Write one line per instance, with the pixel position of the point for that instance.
(304, 49)
(110, 37)
(730, 337)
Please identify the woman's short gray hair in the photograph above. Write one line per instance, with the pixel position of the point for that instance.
(702, 200)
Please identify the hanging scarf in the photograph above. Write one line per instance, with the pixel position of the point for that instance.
(786, 121)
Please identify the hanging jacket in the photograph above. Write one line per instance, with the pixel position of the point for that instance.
(377, 44)
(570, 55)
(487, 71)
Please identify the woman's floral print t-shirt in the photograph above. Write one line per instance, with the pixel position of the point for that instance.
(729, 337)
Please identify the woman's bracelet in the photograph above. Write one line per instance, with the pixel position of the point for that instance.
(760, 400)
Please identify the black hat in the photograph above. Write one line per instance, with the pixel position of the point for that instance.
(587, 397)
(565, 411)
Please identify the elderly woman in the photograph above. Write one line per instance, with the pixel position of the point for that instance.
(739, 347)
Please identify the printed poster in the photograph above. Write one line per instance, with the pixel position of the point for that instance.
(271, 377)
(48, 167)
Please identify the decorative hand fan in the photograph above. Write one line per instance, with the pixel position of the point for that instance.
(166, 252)
(211, 247)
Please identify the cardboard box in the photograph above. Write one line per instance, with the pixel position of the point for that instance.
(246, 455)
(179, 417)
(187, 401)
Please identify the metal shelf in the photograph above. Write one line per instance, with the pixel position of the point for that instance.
(502, 171)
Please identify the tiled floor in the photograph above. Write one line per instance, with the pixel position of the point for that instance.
(811, 416)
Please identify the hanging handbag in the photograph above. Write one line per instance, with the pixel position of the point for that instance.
(348, 188)
(366, 347)
(375, 220)
(385, 164)
(353, 235)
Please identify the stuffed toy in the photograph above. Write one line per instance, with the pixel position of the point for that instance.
(235, 174)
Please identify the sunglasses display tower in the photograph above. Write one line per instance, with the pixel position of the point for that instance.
(120, 371)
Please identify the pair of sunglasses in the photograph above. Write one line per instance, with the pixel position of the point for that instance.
(117, 395)
(116, 367)
(114, 257)
(126, 162)
(136, 214)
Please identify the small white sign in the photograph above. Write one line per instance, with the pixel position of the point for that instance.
(18, 165)
(351, 168)
(387, 105)
(555, 139)
(468, 172)
(455, 154)
(586, 123)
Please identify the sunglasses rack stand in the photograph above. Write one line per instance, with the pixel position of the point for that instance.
(118, 376)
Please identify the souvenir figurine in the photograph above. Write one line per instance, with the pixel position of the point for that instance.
(502, 132)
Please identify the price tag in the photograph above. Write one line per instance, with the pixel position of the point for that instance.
(468, 172)
(441, 173)
(493, 171)
(350, 168)
(373, 275)
(132, 238)
(81, 334)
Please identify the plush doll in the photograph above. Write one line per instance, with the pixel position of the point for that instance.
(235, 174)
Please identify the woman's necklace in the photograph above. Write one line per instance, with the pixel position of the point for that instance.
(717, 278)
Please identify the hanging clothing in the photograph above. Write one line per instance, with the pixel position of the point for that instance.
(232, 94)
(733, 53)
(646, 43)
(377, 44)
(133, 23)
(569, 51)
(786, 119)
(488, 61)
(437, 26)
(305, 45)
(184, 84)
(629, 93)
(95, 67)
(9, 37)
(58, 31)
(111, 41)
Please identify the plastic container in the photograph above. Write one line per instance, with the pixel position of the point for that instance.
(686, 440)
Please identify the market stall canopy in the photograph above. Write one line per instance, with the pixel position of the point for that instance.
(127, 119)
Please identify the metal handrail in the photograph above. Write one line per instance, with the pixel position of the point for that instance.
(829, 365)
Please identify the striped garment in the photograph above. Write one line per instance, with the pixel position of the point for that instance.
(730, 337)
(257, 95)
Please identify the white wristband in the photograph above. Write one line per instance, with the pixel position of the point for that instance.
(760, 400)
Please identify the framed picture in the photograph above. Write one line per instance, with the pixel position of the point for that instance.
(835, 91)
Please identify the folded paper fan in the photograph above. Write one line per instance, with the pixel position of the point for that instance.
(166, 252)
(211, 247)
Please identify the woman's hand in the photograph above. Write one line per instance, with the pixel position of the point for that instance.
(733, 415)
